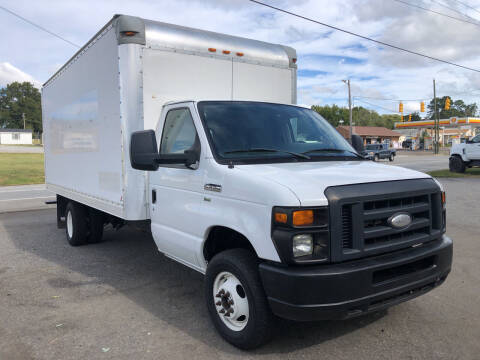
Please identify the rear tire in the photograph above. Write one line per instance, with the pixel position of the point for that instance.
(95, 226)
(233, 286)
(376, 158)
(76, 224)
(456, 164)
(391, 157)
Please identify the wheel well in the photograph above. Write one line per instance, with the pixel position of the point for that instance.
(221, 238)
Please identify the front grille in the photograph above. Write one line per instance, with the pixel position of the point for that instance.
(364, 210)
(376, 230)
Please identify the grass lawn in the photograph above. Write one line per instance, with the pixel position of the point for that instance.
(21, 169)
(470, 173)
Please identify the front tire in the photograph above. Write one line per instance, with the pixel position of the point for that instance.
(391, 157)
(456, 164)
(236, 301)
(376, 158)
(76, 224)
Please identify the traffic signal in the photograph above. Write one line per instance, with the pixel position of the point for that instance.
(400, 107)
(410, 117)
(447, 103)
(422, 107)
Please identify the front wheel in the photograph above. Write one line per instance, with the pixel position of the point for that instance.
(236, 300)
(376, 158)
(456, 164)
(391, 157)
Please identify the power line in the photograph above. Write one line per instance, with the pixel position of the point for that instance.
(386, 99)
(452, 9)
(438, 13)
(364, 37)
(38, 26)
(378, 106)
(466, 5)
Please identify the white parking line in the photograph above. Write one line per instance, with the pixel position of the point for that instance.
(32, 198)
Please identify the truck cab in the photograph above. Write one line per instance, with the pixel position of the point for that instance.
(283, 216)
(465, 155)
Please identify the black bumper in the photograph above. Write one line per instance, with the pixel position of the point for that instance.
(344, 290)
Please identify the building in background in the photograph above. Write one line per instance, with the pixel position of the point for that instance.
(15, 137)
(451, 131)
(372, 134)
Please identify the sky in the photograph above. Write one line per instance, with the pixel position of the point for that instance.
(325, 56)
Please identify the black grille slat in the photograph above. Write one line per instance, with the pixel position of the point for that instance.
(347, 227)
(374, 214)
(387, 230)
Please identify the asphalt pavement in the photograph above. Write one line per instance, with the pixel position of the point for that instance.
(122, 299)
(420, 161)
(24, 197)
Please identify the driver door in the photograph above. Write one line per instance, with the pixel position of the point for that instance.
(473, 148)
(176, 192)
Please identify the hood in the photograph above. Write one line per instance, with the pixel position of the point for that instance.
(308, 180)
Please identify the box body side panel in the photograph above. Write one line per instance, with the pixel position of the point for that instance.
(83, 130)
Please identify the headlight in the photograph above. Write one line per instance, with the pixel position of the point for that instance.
(302, 245)
(301, 235)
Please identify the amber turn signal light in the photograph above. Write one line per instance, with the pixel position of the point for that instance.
(281, 218)
(129, 33)
(302, 217)
(444, 200)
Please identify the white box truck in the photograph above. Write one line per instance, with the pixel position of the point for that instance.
(195, 134)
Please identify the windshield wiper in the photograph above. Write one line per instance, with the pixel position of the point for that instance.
(302, 156)
(331, 150)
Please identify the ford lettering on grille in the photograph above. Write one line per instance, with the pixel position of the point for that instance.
(399, 221)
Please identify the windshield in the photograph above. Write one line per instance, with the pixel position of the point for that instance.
(372, 147)
(249, 132)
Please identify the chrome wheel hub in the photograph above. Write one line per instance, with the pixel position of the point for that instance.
(231, 301)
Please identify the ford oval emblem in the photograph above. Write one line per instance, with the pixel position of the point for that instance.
(400, 220)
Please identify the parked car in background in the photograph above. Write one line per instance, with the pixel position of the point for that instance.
(407, 144)
(376, 152)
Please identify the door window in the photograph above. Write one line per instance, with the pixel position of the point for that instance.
(179, 132)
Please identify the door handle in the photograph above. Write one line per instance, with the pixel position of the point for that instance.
(154, 196)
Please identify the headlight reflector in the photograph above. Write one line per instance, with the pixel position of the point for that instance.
(302, 245)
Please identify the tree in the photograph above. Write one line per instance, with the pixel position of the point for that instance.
(361, 116)
(458, 108)
(17, 99)
(333, 114)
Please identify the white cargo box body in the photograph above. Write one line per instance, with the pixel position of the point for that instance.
(118, 84)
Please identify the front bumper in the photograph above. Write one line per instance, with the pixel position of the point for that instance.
(344, 290)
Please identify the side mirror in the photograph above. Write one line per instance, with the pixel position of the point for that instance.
(144, 153)
(143, 150)
(357, 143)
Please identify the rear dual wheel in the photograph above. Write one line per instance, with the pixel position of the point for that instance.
(83, 225)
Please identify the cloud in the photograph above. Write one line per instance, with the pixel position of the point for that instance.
(9, 73)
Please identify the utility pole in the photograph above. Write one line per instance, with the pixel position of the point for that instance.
(23, 117)
(436, 117)
(349, 107)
